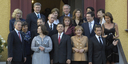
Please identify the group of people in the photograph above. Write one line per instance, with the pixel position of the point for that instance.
(71, 39)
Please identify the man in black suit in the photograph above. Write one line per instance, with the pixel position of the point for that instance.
(89, 26)
(34, 32)
(61, 53)
(66, 10)
(32, 17)
(51, 27)
(16, 54)
(97, 47)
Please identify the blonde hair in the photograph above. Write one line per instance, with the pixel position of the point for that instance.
(55, 9)
(79, 27)
(15, 12)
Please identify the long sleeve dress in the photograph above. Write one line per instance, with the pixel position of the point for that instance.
(41, 57)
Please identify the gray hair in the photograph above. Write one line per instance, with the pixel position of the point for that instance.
(37, 4)
(66, 5)
(16, 22)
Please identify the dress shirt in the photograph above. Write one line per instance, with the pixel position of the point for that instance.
(60, 35)
(68, 15)
(56, 21)
(37, 15)
(98, 38)
(50, 25)
(18, 33)
(103, 21)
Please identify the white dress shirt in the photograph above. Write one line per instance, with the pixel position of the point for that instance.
(50, 25)
(60, 35)
(92, 24)
(18, 33)
(98, 38)
(37, 15)
(56, 22)
(103, 21)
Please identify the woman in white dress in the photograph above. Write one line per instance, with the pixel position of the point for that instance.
(41, 45)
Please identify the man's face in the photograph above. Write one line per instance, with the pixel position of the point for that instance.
(98, 31)
(89, 17)
(100, 14)
(18, 26)
(60, 28)
(66, 10)
(37, 9)
(40, 22)
(51, 18)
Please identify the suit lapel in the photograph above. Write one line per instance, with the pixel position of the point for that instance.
(62, 38)
(35, 15)
(97, 41)
(56, 40)
(17, 36)
(88, 28)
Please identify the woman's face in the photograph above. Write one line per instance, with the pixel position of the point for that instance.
(107, 19)
(78, 32)
(100, 14)
(18, 15)
(55, 14)
(66, 21)
(39, 30)
(77, 14)
(25, 28)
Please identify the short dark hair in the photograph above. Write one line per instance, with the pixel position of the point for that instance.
(92, 14)
(97, 26)
(102, 10)
(60, 24)
(67, 18)
(41, 19)
(24, 24)
(109, 15)
(43, 29)
(90, 8)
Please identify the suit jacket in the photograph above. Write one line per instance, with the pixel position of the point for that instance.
(61, 18)
(87, 30)
(51, 32)
(11, 23)
(32, 21)
(97, 51)
(16, 48)
(61, 52)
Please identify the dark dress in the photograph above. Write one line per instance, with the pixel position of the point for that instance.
(112, 54)
(70, 31)
(27, 43)
(74, 22)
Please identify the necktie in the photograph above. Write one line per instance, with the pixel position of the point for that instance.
(38, 16)
(19, 35)
(90, 26)
(100, 40)
(59, 40)
(51, 26)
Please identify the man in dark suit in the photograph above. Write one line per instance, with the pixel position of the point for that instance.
(66, 10)
(34, 32)
(32, 17)
(89, 26)
(97, 47)
(51, 27)
(16, 54)
(61, 53)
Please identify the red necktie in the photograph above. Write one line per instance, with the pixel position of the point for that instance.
(19, 35)
(59, 40)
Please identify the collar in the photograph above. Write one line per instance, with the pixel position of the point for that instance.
(97, 36)
(16, 31)
(60, 34)
(49, 23)
(92, 22)
(36, 13)
(68, 15)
